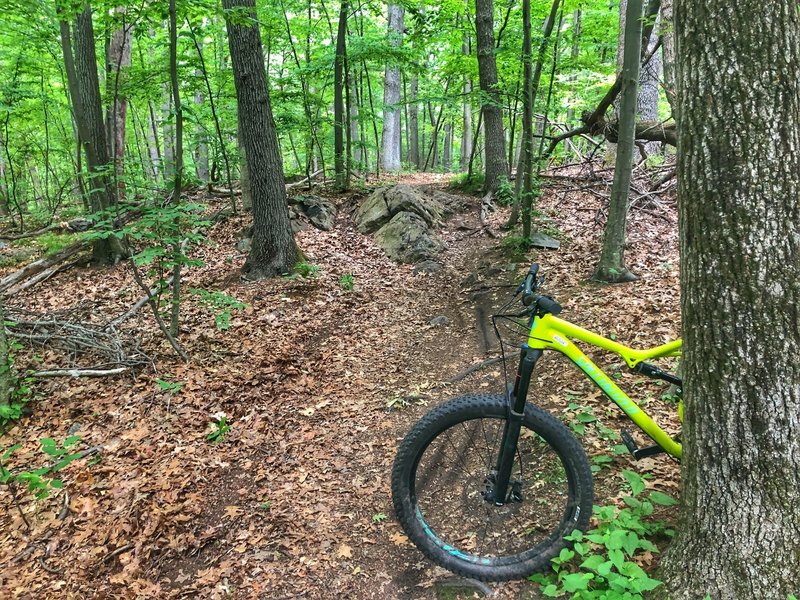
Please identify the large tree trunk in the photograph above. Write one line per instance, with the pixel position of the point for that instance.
(667, 30)
(339, 118)
(611, 267)
(495, 143)
(273, 251)
(84, 86)
(176, 100)
(392, 133)
(649, 77)
(739, 185)
(119, 59)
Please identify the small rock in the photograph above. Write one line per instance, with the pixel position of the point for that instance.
(439, 321)
(244, 245)
(542, 240)
(428, 266)
(74, 429)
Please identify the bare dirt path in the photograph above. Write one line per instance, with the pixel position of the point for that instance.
(319, 384)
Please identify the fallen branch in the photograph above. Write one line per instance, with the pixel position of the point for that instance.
(477, 367)
(42, 264)
(308, 179)
(39, 278)
(139, 304)
(80, 372)
(114, 553)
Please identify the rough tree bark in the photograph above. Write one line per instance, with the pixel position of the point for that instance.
(339, 117)
(611, 267)
(739, 185)
(176, 99)
(466, 133)
(496, 166)
(273, 249)
(84, 87)
(119, 59)
(392, 134)
(667, 30)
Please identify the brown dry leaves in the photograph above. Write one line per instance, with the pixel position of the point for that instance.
(285, 503)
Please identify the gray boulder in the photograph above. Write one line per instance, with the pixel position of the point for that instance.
(387, 202)
(321, 212)
(408, 239)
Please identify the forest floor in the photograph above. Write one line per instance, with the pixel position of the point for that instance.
(318, 384)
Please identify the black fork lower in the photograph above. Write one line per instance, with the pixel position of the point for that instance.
(508, 447)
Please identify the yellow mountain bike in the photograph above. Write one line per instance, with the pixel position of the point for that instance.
(487, 486)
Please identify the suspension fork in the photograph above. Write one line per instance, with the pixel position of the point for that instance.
(516, 412)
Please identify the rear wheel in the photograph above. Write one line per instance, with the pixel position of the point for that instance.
(442, 483)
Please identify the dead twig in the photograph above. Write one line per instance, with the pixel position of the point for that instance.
(113, 553)
(477, 367)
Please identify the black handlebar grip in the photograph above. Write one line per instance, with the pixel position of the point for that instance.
(548, 305)
(527, 285)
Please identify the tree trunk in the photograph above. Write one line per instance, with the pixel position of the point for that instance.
(574, 54)
(339, 117)
(739, 185)
(667, 30)
(168, 134)
(649, 77)
(84, 89)
(466, 133)
(355, 135)
(495, 144)
(413, 124)
(611, 267)
(392, 133)
(447, 152)
(273, 250)
(201, 152)
(119, 59)
(176, 101)
(647, 101)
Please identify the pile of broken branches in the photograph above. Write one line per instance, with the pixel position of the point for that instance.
(88, 349)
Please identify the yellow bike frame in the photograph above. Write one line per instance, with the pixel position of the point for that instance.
(551, 333)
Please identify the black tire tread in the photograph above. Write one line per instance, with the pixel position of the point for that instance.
(454, 411)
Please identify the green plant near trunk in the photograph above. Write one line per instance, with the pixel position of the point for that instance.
(602, 562)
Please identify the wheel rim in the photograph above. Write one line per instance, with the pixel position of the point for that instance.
(448, 492)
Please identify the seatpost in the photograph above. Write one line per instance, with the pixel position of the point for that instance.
(508, 448)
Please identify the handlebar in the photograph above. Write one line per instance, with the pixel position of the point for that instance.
(528, 287)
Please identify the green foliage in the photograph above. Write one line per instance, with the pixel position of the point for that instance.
(172, 387)
(222, 303)
(602, 562)
(379, 517)
(469, 185)
(347, 282)
(20, 390)
(305, 270)
(219, 428)
(49, 242)
(505, 192)
(39, 481)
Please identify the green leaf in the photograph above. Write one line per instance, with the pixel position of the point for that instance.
(635, 481)
(593, 562)
(616, 557)
(551, 591)
(662, 499)
(7, 454)
(575, 582)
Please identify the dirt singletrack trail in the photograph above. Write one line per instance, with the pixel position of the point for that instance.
(319, 385)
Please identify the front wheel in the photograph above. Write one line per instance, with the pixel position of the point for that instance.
(442, 485)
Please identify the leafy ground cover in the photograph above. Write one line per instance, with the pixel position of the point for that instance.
(261, 468)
